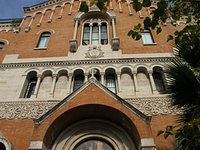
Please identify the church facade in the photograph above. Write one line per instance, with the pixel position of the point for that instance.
(71, 80)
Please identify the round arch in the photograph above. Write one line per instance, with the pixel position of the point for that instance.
(103, 116)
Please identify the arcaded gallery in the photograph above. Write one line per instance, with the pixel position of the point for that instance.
(71, 80)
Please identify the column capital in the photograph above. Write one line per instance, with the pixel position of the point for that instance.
(134, 72)
(54, 75)
(39, 75)
(118, 73)
(102, 73)
(150, 71)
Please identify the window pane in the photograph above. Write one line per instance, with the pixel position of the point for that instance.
(44, 39)
(146, 37)
(104, 34)
(86, 35)
(110, 83)
(31, 88)
(95, 35)
(78, 81)
(158, 81)
(94, 145)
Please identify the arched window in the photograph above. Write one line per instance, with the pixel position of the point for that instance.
(30, 84)
(44, 39)
(94, 145)
(2, 146)
(86, 35)
(1, 45)
(147, 37)
(31, 87)
(78, 79)
(158, 79)
(110, 83)
(95, 32)
(104, 34)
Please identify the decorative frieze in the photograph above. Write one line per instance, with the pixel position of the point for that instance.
(154, 105)
(24, 110)
(85, 62)
(34, 109)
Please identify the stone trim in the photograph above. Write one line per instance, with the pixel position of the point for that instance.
(84, 62)
(34, 109)
(42, 5)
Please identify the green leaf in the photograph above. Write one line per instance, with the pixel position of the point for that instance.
(169, 37)
(137, 6)
(104, 9)
(160, 132)
(84, 7)
(159, 29)
(146, 3)
(154, 23)
(138, 26)
(130, 32)
(138, 37)
(100, 5)
(147, 22)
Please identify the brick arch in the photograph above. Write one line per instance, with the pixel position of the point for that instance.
(90, 111)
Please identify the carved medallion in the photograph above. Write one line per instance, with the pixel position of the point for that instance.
(94, 52)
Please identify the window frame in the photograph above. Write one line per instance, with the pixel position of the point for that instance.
(30, 87)
(112, 85)
(146, 42)
(46, 36)
(90, 23)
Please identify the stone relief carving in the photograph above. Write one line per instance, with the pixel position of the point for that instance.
(24, 110)
(33, 109)
(94, 52)
(154, 105)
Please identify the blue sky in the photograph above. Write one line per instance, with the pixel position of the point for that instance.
(14, 8)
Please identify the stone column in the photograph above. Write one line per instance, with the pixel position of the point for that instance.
(75, 29)
(102, 78)
(39, 77)
(113, 28)
(135, 81)
(53, 84)
(91, 33)
(99, 24)
(86, 77)
(69, 83)
(153, 87)
(118, 81)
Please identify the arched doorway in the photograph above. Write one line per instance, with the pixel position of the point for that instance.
(96, 125)
(94, 134)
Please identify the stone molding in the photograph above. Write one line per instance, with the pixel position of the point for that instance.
(34, 109)
(85, 62)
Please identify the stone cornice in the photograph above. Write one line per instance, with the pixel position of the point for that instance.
(84, 62)
(34, 109)
(42, 5)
